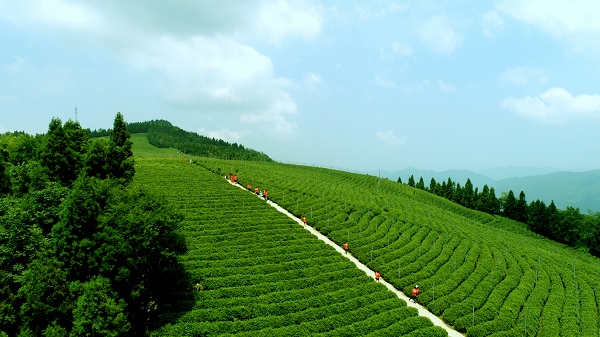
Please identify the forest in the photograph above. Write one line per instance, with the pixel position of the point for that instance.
(82, 251)
(163, 134)
(567, 226)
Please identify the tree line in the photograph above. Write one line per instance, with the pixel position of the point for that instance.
(568, 226)
(82, 250)
(163, 134)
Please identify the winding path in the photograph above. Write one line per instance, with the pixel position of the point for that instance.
(422, 311)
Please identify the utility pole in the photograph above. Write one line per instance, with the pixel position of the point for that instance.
(75, 114)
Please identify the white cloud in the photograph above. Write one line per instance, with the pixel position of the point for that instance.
(556, 105)
(312, 81)
(439, 36)
(224, 134)
(389, 137)
(492, 24)
(395, 49)
(573, 21)
(283, 19)
(523, 75)
(18, 64)
(384, 82)
(194, 45)
(446, 87)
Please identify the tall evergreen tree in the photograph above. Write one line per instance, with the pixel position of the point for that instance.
(120, 151)
(538, 217)
(433, 186)
(493, 202)
(482, 203)
(421, 184)
(411, 181)
(509, 207)
(62, 151)
(521, 209)
(467, 195)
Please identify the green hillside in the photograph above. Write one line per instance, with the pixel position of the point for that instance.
(483, 274)
(258, 272)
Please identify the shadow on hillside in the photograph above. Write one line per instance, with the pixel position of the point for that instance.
(177, 300)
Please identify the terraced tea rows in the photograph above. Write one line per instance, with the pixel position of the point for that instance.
(259, 273)
(485, 275)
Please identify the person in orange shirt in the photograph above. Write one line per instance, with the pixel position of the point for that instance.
(377, 276)
(414, 293)
(249, 187)
(304, 220)
(256, 190)
(346, 247)
(266, 194)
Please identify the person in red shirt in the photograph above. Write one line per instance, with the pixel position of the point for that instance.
(414, 293)
(346, 247)
(256, 190)
(249, 187)
(304, 219)
(377, 276)
(266, 195)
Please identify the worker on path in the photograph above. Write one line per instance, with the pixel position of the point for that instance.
(249, 187)
(414, 293)
(304, 220)
(346, 247)
(256, 190)
(377, 276)
(266, 194)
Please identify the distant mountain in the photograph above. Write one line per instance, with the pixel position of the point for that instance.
(458, 176)
(499, 173)
(576, 189)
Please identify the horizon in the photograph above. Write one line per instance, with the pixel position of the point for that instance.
(441, 86)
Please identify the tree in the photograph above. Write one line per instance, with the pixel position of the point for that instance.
(509, 206)
(493, 202)
(433, 186)
(97, 160)
(411, 181)
(4, 178)
(554, 222)
(521, 209)
(120, 151)
(98, 310)
(538, 218)
(468, 196)
(46, 296)
(421, 184)
(399, 180)
(62, 151)
(571, 223)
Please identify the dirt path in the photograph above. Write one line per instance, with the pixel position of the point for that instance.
(422, 311)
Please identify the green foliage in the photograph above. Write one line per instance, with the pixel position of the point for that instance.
(47, 299)
(120, 154)
(62, 151)
(81, 253)
(98, 310)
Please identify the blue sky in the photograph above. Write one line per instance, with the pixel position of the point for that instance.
(355, 85)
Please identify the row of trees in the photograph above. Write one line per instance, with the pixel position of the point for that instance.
(567, 226)
(82, 251)
(163, 134)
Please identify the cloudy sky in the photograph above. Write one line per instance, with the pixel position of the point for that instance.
(354, 85)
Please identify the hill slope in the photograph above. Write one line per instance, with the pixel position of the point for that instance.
(483, 274)
(260, 273)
